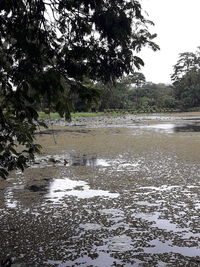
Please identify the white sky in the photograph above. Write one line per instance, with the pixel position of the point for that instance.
(177, 24)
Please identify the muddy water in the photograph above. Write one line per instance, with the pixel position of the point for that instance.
(109, 192)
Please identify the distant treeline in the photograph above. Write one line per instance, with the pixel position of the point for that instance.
(134, 94)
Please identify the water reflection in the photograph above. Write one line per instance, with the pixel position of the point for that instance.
(99, 259)
(164, 224)
(37, 188)
(187, 128)
(167, 247)
(120, 243)
(61, 188)
(155, 217)
(9, 199)
(175, 128)
(88, 161)
(70, 160)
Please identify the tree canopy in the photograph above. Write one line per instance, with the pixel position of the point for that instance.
(48, 48)
(186, 79)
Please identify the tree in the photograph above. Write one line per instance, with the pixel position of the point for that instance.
(186, 80)
(47, 47)
(136, 79)
(116, 96)
(153, 95)
(187, 62)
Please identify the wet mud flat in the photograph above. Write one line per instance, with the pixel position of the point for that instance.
(112, 192)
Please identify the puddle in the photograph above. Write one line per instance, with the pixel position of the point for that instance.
(10, 202)
(60, 188)
(159, 247)
(90, 226)
(37, 188)
(159, 223)
(50, 160)
(69, 160)
(112, 212)
(146, 203)
(98, 259)
(168, 127)
(120, 243)
(88, 161)
(174, 128)
(187, 128)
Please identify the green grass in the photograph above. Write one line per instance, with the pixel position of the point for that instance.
(87, 114)
(43, 115)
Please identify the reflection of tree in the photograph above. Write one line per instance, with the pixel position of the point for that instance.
(187, 128)
(84, 161)
(92, 161)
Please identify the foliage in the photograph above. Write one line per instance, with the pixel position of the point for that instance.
(117, 96)
(153, 95)
(187, 62)
(47, 48)
(133, 94)
(186, 80)
(87, 99)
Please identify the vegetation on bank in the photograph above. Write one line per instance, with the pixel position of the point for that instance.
(114, 112)
(134, 93)
(55, 115)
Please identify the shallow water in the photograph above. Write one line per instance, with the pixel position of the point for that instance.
(122, 192)
(174, 127)
(60, 188)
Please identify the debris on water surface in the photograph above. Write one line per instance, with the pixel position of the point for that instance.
(120, 196)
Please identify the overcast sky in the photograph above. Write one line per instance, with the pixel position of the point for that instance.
(177, 24)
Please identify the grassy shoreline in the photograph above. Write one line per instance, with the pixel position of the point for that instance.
(43, 115)
(55, 115)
